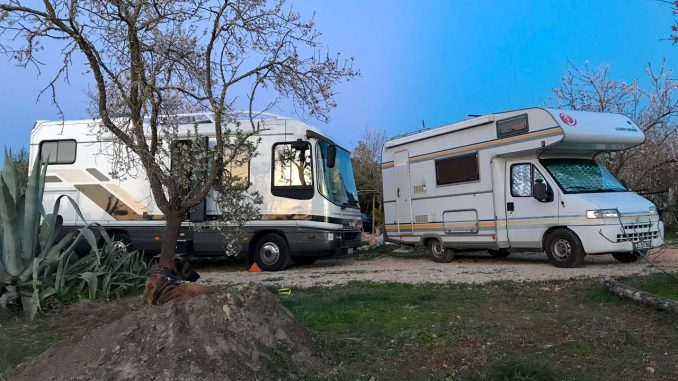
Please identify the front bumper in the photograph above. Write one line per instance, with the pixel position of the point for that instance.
(613, 238)
(316, 241)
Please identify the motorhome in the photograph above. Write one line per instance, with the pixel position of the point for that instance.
(309, 209)
(525, 180)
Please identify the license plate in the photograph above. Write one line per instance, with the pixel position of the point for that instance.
(642, 245)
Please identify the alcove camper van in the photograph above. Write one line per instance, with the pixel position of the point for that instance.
(310, 202)
(518, 180)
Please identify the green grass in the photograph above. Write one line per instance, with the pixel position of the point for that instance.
(22, 339)
(671, 236)
(566, 330)
(664, 285)
(559, 330)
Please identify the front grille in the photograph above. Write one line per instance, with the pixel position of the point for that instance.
(632, 236)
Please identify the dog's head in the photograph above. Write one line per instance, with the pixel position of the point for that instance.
(183, 270)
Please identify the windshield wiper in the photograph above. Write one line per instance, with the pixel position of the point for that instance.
(350, 203)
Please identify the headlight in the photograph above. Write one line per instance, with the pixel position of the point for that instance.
(602, 213)
(653, 210)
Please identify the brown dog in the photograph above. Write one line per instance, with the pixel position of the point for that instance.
(173, 282)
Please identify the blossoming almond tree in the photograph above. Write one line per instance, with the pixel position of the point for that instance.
(150, 60)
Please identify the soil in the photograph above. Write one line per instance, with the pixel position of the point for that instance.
(416, 267)
(243, 335)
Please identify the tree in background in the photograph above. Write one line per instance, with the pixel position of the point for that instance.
(367, 172)
(151, 60)
(21, 162)
(652, 166)
(674, 27)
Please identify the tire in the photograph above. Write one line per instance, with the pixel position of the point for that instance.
(564, 249)
(271, 253)
(501, 253)
(627, 257)
(122, 239)
(439, 253)
(304, 260)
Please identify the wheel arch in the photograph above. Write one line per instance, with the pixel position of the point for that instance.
(550, 230)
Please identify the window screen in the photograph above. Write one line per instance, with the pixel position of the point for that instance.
(457, 169)
(512, 126)
(523, 178)
(58, 152)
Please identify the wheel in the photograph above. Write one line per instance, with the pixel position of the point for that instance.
(627, 257)
(304, 260)
(122, 241)
(564, 249)
(271, 253)
(501, 253)
(438, 252)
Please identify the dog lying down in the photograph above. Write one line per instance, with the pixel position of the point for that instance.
(173, 282)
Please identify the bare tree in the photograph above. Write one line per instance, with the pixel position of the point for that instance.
(150, 60)
(367, 168)
(653, 165)
(674, 27)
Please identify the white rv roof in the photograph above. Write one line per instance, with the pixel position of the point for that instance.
(595, 131)
(582, 131)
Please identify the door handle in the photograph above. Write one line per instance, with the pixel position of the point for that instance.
(510, 206)
(398, 193)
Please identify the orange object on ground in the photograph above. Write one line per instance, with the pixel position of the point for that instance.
(255, 268)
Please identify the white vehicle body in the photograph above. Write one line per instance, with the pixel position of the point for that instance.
(469, 185)
(315, 215)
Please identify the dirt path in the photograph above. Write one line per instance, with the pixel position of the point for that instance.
(416, 268)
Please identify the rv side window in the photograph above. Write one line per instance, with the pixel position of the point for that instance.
(58, 152)
(458, 169)
(523, 178)
(292, 170)
(512, 126)
(240, 167)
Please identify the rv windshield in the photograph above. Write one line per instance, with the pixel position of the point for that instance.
(336, 184)
(582, 176)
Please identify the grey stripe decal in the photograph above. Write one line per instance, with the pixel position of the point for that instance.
(98, 175)
(52, 179)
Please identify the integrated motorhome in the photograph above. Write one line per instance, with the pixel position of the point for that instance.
(519, 180)
(310, 202)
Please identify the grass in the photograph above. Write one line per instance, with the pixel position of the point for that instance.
(671, 235)
(559, 330)
(22, 339)
(566, 330)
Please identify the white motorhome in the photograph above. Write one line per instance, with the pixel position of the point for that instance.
(310, 208)
(518, 180)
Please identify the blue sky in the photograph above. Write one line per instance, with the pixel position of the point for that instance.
(435, 61)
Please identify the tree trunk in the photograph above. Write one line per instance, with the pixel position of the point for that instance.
(169, 240)
(640, 296)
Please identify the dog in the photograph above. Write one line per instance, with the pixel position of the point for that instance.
(173, 282)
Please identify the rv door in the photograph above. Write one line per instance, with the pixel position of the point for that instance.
(530, 204)
(401, 161)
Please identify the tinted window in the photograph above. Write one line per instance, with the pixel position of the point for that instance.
(291, 166)
(512, 126)
(58, 152)
(292, 171)
(457, 169)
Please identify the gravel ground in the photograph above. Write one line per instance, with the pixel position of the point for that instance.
(477, 267)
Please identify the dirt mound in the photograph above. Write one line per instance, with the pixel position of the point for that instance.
(244, 335)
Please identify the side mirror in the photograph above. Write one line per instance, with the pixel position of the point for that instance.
(331, 156)
(540, 191)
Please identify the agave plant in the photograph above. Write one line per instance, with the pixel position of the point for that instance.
(35, 264)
